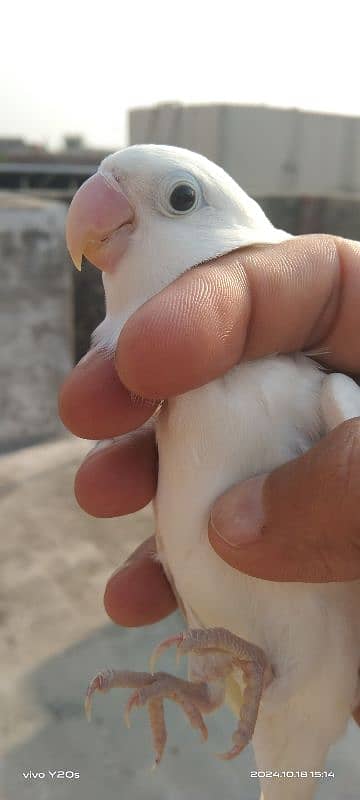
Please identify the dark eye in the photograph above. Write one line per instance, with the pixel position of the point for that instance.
(183, 197)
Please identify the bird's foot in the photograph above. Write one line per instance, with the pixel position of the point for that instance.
(195, 697)
(151, 690)
(236, 653)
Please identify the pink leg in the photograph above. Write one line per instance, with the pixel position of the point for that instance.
(248, 657)
(151, 690)
(196, 697)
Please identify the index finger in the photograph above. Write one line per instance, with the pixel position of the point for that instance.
(301, 294)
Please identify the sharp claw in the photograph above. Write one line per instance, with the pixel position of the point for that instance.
(94, 685)
(156, 763)
(237, 748)
(156, 653)
(87, 707)
(153, 659)
(97, 684)
(133, 701)
(235, 751)
(204, 733)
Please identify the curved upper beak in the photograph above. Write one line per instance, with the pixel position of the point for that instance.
(99, 222)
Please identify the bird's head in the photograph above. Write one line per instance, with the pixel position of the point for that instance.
(150, 213)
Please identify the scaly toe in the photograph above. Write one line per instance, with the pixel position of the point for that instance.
(132, 701)
(87, 708)
(156, 653)
(241, 740)
(235, 751)
(99, 683)
(200, 724)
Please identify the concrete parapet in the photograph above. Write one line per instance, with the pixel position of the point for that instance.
(36, 319)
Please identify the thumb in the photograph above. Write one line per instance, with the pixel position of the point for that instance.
(301, 522)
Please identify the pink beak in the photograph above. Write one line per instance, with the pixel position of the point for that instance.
(99, 222)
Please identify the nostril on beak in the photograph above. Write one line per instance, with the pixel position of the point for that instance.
(97, 211)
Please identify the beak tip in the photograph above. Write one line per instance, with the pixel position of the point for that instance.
(78, 262)
(75, 246)
(75, 254)
(76, 259)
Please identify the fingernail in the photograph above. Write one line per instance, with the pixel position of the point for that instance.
(82, 361)
(101, 445)
(122, 568)
(129, 561)
(238, 516)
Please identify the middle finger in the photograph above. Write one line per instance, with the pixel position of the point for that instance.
(119, 477)
(94, 404)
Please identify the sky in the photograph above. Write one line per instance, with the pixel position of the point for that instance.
(78, 67)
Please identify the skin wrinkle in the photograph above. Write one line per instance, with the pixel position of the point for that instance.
(205, 293)
(222, 327)
(280, 290)
(137, 401)
(250, 274)
(301, 278)
(248, 292)
(244, 292)
(347, 315)
(326, 320)
(194, 300)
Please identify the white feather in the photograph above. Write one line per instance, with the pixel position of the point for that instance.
(255, 418)
(163, 247)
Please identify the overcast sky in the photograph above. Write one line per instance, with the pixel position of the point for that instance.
(77, 67)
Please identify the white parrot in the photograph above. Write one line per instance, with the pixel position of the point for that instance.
(284, 656)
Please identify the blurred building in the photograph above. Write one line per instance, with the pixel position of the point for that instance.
(31, 167)
(269, 151)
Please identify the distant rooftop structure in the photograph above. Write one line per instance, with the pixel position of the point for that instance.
(31, 167)
(74, 149)
(14, 145)
(11, 143)
(74, 143)
(269, 151)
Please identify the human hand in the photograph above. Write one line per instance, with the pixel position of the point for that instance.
(302, 294)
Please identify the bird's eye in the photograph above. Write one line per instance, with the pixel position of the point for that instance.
(183, 198)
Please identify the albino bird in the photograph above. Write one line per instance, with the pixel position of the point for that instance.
(284, 656)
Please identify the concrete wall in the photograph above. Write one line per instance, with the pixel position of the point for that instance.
(36, 322)
(267, 150)
(301, 215)
(89, 306)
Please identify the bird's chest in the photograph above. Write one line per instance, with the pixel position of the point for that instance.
(246, 423)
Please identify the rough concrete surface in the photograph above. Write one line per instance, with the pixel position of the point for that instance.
(55, 635)
(36, 325)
